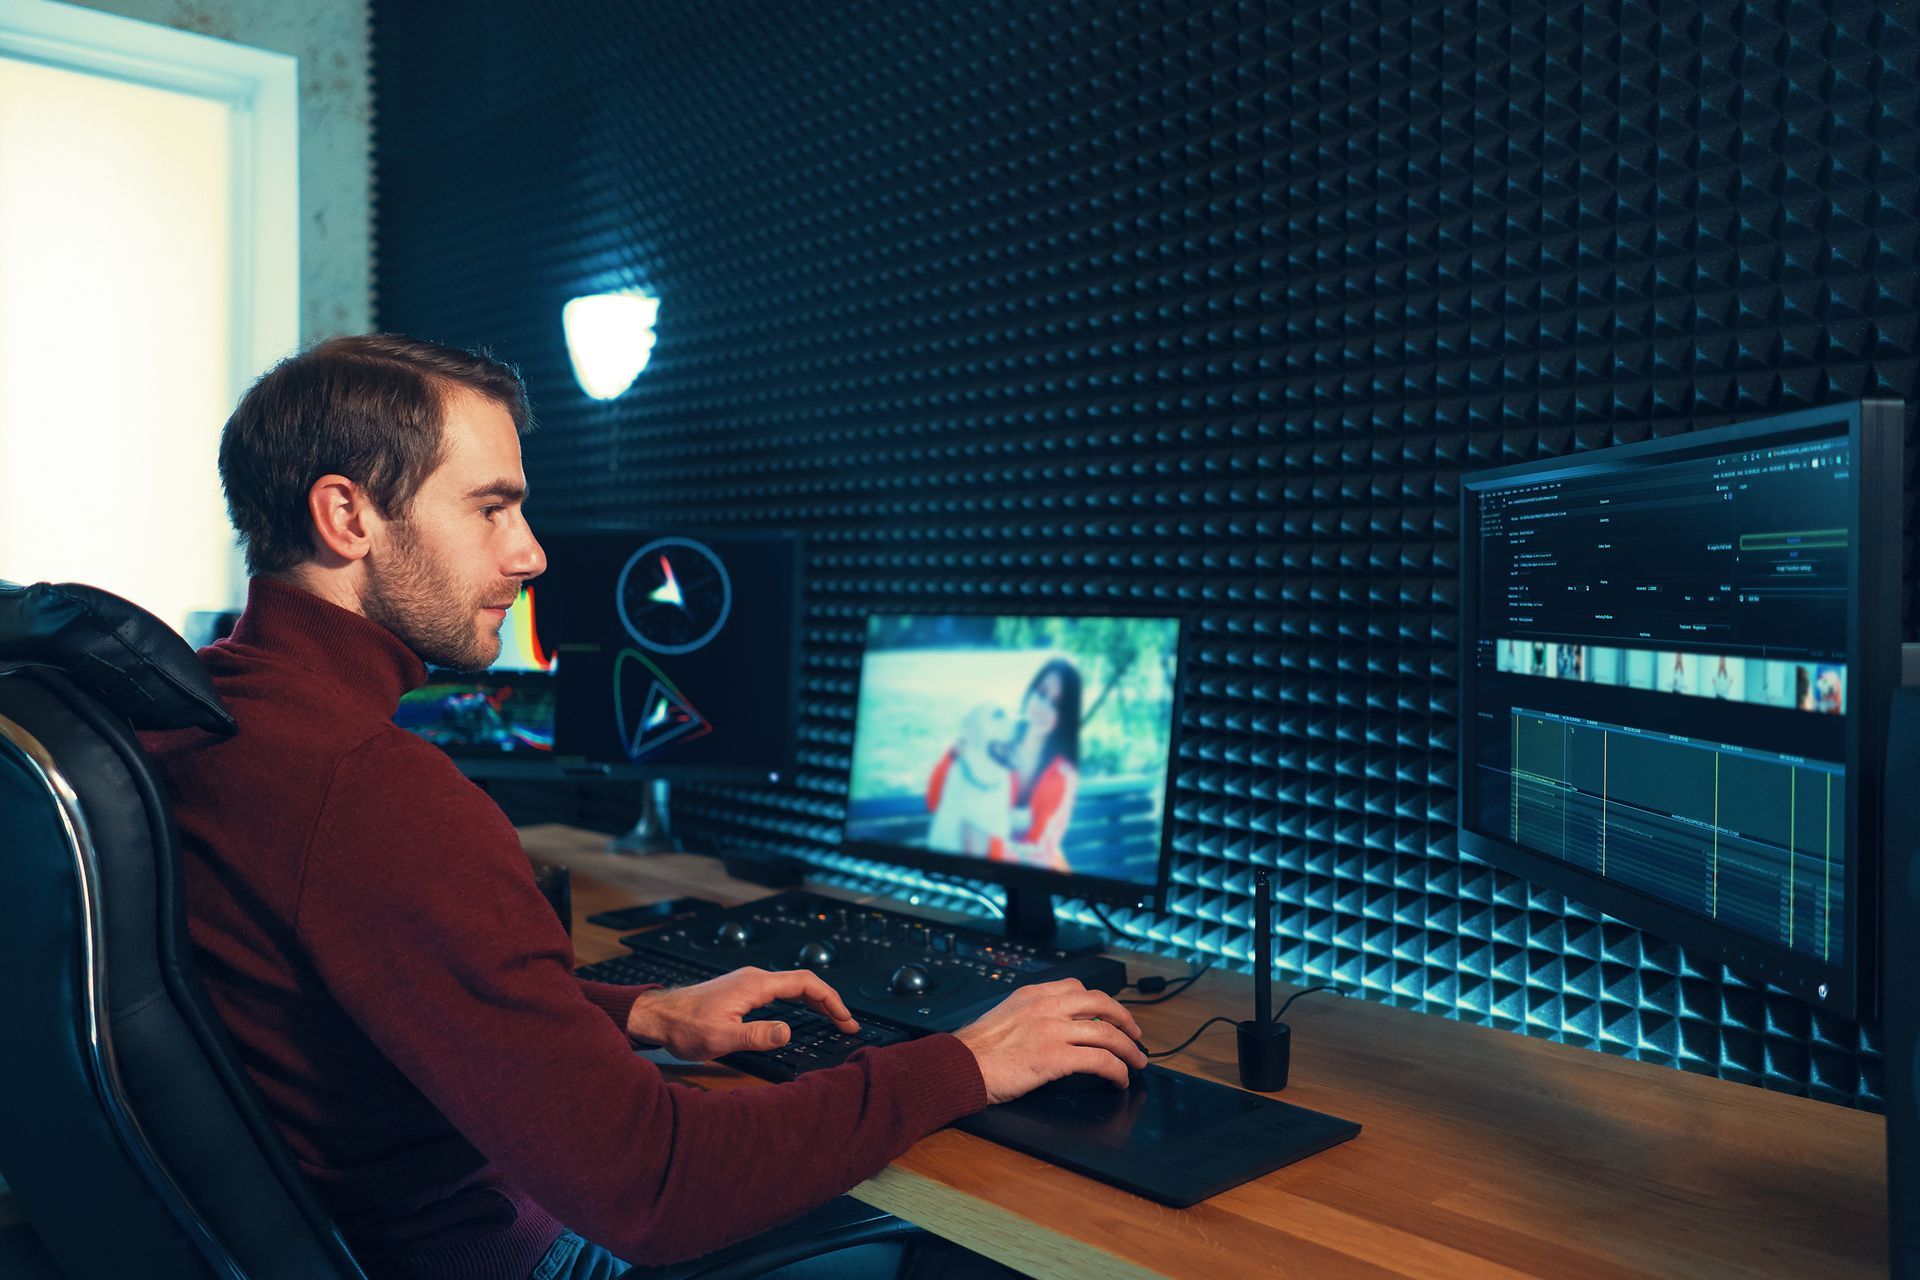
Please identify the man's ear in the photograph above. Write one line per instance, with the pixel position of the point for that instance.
(344, 518)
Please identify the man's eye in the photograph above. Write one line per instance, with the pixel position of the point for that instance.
(491, 512)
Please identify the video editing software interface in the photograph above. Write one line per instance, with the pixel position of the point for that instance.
(1042, 742)
(651, 651)
(1661, 679)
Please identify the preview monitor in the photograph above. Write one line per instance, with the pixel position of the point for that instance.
(654, 653)
(1031, 751)
(1675, 663)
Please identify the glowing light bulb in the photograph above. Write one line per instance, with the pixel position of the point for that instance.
(609, 339)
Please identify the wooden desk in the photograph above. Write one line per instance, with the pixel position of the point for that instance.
(1484, 1154)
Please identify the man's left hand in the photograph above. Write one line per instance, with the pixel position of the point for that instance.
(705, 1020)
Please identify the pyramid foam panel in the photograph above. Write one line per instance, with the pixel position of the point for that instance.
(1200, 306)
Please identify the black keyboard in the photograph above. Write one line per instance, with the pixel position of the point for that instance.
(636, 970)
(814, 1043)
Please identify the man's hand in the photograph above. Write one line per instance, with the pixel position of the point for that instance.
(1054, 1029)
(703, 1021)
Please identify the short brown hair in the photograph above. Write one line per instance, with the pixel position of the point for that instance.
(370, 408)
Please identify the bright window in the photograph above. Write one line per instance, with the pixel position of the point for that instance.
(149, 254)
(116, 343)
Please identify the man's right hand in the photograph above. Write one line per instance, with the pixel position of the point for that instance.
(708, 1019)
(1053, 1029)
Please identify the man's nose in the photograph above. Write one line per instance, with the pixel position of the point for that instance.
(529, 559)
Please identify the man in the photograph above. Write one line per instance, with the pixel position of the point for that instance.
(369, 927)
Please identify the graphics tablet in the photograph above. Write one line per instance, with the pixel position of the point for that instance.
(1174, 1138)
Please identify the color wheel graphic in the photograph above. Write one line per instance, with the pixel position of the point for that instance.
(674, 595)
(660, 716)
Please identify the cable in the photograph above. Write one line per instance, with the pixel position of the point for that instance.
(1296, 995)
(1172, 987)
(1182, 1046)
(992, 906)
(1107, 920)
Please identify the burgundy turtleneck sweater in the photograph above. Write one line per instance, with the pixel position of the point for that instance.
(369, 929)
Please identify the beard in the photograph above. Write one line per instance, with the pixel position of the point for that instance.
(426, 607)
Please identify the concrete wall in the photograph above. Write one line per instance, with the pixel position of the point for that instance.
(336, 129)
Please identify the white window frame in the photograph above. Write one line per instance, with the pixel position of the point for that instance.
(260, 88)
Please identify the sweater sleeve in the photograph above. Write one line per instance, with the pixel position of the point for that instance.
(420, 913)
(611, 999)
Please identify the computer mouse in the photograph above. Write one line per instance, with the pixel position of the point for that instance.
(814, 955)
(732, 933)
(910, 980)
(1088, 1082)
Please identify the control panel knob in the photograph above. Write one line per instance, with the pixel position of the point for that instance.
(910, 980)
(732, 933)
(814, 955)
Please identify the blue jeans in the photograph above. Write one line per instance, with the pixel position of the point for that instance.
(572, 1258)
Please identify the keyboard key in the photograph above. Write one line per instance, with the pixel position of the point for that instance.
(814, 1042)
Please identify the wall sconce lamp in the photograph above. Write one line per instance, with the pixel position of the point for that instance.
(609, 339)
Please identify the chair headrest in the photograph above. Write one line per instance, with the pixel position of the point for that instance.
(115, 650)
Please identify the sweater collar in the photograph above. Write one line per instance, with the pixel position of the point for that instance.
(361, 655)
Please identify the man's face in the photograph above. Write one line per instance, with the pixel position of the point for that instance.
(442, 578)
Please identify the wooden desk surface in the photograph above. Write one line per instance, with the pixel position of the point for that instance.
(1484, 1154)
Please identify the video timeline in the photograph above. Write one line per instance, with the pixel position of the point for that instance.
(1765, 682)
(1752, 839)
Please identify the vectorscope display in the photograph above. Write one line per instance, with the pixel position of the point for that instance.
(639, 652)
(678, 652)
(1675, 661)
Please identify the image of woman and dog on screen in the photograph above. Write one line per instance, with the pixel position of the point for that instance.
(1040, 741)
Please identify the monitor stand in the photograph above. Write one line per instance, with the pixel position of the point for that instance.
(1030, 920)
(650, 832)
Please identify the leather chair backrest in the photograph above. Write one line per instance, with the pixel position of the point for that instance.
(131, 1137)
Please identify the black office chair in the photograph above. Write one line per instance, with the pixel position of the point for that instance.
(133, 1141)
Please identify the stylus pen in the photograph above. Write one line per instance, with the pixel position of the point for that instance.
(1262, 950)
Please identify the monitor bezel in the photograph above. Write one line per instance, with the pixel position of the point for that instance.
(1017, 877)
(506, 766)
(1875, 431)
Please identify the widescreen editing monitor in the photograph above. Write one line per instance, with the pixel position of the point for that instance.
(638, 653)
(1034, 752)
(1676, 658)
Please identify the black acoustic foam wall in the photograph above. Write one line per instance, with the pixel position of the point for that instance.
(1183, 305)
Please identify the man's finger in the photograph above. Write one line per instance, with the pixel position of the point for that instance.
(804, 984)
(1098, 1004)
(1098, 1062)
(1104, 1035)
(764, 1035)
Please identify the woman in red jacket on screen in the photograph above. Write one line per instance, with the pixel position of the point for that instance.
(1043, 764)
